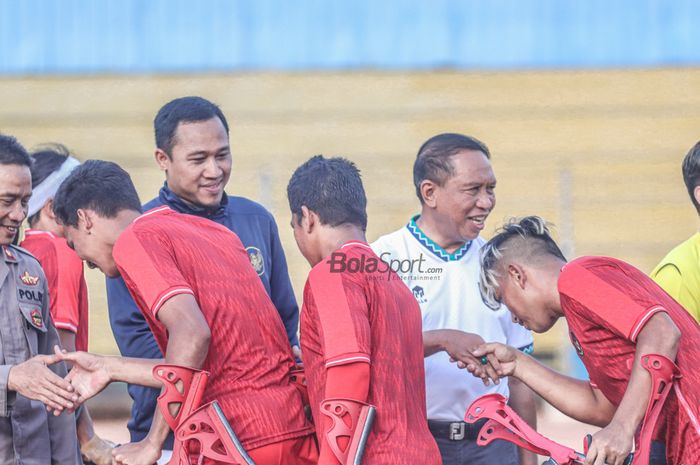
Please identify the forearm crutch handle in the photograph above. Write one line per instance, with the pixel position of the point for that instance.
(217, 441)
(505, 424)
(664, 372)
(183, 388)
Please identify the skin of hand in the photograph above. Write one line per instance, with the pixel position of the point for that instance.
(144, 452)
(188, 344)
(459, 346)
(89, 375)
(85, 428)
(579, 400)
(502, 360)
(97, 451)
(610, 446)
(34, 380)
(573, 397)
(501, 357)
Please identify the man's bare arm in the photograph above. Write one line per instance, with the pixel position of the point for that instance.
(188, 344)
(661, 336)
(573, 397)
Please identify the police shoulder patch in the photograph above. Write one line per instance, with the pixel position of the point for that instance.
(37, 320)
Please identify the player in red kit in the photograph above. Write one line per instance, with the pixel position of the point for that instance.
(205, 304)
(361, 333)
(616, 316)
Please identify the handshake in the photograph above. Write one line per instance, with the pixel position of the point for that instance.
(33, 379)
(490, 362)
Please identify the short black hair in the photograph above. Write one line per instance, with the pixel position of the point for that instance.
(184, 109)
(12, 152)
(330, 187)
(101, 186)
(433, 161)
(691, 173)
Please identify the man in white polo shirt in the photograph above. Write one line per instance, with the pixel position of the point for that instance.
(437, 256)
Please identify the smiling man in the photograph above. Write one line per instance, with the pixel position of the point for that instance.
(28, 434)
(193, 150)
(192, 280)
(437, 257)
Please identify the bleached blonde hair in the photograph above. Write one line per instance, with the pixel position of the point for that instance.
(535, 239)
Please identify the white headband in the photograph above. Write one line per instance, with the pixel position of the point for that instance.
(47, 189)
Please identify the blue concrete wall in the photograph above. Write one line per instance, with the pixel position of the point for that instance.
(98, 36)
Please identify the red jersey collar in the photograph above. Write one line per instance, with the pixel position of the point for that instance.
(354, 243)
(154, 211)
(36, 232)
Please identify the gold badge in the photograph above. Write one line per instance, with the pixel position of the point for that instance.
(37, 319)
(9, 254)
(29, 280)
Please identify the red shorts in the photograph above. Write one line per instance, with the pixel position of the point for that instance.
(297, 451)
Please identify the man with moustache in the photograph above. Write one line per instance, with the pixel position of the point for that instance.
(29, 435)
(437, 256)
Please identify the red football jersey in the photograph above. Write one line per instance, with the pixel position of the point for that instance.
(606, 303)
(66, 279)
(163, 254)
(371, 317)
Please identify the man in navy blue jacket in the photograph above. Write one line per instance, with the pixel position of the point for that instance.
(193, 150)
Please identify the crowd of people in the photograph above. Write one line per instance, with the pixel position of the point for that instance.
(417, 324)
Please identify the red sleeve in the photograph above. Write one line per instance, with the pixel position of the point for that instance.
(350, 381)
(64, 301)
(149, 268)
(343, 314)
(615, 309)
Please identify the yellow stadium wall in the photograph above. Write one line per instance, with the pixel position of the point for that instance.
(596, 153)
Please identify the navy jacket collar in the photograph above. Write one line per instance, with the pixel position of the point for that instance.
(168, 197)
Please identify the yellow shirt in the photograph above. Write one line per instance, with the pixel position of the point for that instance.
(679, 275)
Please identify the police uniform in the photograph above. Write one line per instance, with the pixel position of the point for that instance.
(29, 435)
